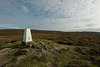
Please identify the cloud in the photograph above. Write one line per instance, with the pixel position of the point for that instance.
(25, 9)
(53, 8)
(51, 14)
(9, 26)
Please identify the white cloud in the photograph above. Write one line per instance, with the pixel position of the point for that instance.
(25, 9)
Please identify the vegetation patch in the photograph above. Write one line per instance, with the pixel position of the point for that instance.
(50, 48)
(80, 63)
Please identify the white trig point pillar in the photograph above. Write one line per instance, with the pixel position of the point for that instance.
(27, 36)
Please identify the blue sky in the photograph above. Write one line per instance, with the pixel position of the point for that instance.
(58, 15)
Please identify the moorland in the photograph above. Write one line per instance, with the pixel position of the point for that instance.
(49, 49)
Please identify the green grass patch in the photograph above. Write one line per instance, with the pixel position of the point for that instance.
(80, 63)
(36, 60)
(70, 58)
(64, 58)
(42, 43)
(42, 40)
(11, 45)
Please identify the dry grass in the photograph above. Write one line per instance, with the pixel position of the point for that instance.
(80, 50)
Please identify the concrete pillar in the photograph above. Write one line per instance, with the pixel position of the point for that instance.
(27, 36)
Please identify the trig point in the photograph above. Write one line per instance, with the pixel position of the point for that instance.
(27, 35)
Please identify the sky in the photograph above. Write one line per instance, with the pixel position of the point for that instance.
(57, 15)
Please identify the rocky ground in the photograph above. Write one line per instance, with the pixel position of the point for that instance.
(45, 53)
(13, 54)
